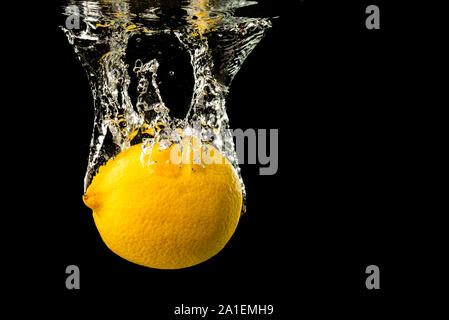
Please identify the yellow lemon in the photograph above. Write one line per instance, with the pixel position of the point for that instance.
(166, 209)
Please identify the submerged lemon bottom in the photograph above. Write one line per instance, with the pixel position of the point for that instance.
(164, 214)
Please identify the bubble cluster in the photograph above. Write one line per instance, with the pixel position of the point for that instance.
(128, 105)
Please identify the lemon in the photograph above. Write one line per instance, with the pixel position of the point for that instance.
(166, 209)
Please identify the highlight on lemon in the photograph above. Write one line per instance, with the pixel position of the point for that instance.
(166, 208)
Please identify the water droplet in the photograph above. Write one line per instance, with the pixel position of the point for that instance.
(171, 73)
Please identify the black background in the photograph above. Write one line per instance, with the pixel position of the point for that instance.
(344, 197)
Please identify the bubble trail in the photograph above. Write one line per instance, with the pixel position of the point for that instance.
(131, 49)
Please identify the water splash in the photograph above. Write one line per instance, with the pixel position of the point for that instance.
(122, 46)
